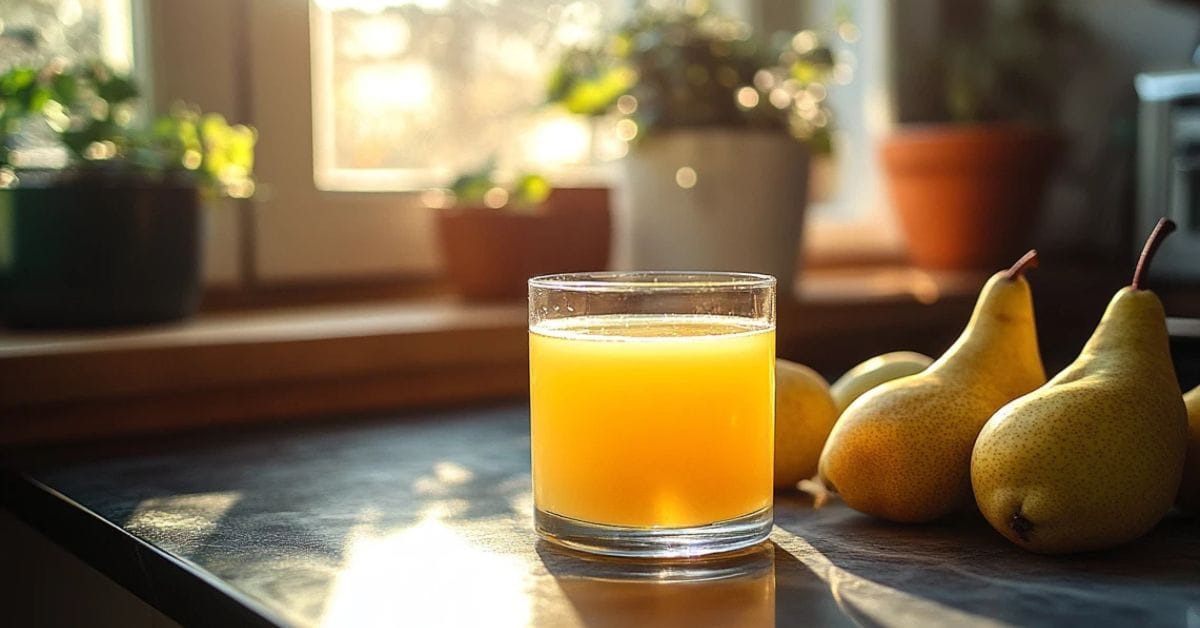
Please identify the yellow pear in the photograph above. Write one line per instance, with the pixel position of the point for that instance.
(875, 371)
(1189, 488)
(804, 414)
(902, 451)
(1093, 458)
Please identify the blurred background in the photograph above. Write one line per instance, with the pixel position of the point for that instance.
(359, 104)
(387, 169)
(218, 214)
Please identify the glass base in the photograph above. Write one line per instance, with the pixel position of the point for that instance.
(715, 538)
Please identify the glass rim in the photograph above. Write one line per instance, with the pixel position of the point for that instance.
(653, 281)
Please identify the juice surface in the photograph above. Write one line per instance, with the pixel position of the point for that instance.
(652, 421)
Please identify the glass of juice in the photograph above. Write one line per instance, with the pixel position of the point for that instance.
(652, 401)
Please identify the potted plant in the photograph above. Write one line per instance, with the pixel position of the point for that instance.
(99, 216)
(720, 126)
(968, 185)
(495, 236)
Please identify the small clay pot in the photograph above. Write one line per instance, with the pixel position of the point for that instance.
(968, 196)
(489, 254)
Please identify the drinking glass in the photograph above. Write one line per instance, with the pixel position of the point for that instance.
(652, 400)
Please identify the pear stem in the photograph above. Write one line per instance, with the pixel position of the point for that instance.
(1028, 262)
(1161, 230)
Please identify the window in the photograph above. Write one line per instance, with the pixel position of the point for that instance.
(36, 31)
(863, 113)
(264, 62)
(408, 94)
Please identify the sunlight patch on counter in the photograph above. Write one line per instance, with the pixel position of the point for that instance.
(427, 575)
(181, 522)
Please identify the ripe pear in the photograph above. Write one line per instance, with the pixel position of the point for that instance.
(804, 414)
(902, 451)
(875, 371)
(1092, 459)
(1189, 488)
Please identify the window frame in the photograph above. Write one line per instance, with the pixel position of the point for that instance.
(297, 233)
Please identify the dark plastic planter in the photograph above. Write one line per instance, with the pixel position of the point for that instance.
(85, 254)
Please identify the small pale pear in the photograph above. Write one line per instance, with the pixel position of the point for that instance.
(804, 414)
(1092, 459)
(875, 371)
(1189, 488)
(902, 451)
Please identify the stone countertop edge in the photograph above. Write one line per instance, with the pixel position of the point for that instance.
(179, 589)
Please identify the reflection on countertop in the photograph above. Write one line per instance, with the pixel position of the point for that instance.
(426, 520)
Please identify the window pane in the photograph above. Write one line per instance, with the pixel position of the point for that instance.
(408, 94)
(33, 32)
(36, 32)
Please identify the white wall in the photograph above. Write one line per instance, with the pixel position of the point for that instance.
(193, 58)
(302, 233)
(249, 59)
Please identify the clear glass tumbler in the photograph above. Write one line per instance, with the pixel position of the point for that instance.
(652, 400)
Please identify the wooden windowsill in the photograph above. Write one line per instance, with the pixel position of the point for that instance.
(277, 364)
(258, 365)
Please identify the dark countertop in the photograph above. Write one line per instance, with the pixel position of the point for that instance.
(425, 520)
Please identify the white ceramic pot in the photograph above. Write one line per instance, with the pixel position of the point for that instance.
(727, 200)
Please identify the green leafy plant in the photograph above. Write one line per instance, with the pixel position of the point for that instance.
(91, 111)
(1008, 60)
(670, 68)
(484, 187)
(222, 155)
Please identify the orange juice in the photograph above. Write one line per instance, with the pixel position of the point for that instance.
(652, 421)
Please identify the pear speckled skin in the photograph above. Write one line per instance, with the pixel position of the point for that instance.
(804, 414)
(1189, 488)
(902, 451)
(1092, 459)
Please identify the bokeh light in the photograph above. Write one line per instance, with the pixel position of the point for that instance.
(495, 198)
(686, 177)
(557, 140)
(780, 98)
(764, 80)
(627, 104)
(99, 151)
(747, 98)
(804, 41)
(437, 198)
(626, 130)
(849, 32)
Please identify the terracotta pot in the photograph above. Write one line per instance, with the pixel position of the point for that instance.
(489, 253)
(968, 196)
